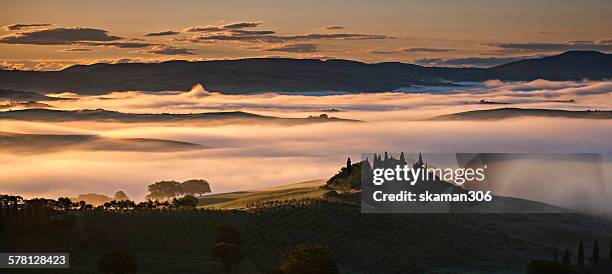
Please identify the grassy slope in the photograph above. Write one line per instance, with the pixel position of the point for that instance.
(239, 199)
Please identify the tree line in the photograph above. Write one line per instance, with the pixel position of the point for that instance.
(166, 190)
(595, 265)
(163, 195)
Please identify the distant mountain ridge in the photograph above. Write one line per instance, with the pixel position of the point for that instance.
(296, 75)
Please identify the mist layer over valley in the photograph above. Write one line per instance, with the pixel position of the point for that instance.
(252, 153)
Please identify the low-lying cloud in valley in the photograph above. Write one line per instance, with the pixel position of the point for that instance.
(248, 156)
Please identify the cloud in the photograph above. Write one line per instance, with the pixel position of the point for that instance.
(469, 61)
(235, 32)
(162, 33)
(293, 48)
(587, 95)
(125, 60)
(169, 50)
(333, 27)
(58, 36)
(227, 27)
(409, 50)
(307, 151)
(429, 61)
(337, 36)
(380, 52)
(601, 45)
(36, 65)
(241, 25)
(425, 50)
(23, 26)
(252, 32)
(50, 66)
(197, 91)
(203, 29)
(122, 45)
(268, 37)
(9, 65)
(76, 49)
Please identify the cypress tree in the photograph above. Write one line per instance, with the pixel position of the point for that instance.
(566, 257)
(595, 253)
(348, 166)
(580, 255)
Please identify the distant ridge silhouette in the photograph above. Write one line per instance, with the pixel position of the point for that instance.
(296, 75)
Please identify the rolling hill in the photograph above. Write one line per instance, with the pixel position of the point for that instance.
(239, 199)
(296, 75)
(24, 96)
(360, 243)
(507, 113)
(37, 143)
(51, 115)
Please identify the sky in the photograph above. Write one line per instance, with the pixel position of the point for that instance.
(50, 35)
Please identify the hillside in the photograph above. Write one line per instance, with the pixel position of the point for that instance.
(37, 143)
(50, 115)
(239, 199)
(507, 113)
(566, 66)
(296, 75)
(23, 96)
(360, 243)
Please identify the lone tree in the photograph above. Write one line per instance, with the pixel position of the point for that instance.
(164, 190)
(595, 253)
(348, 167)
(580, 255)
(120, 196)
(227, 254)
(118, 261)
(308, 259)
(194, 186)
